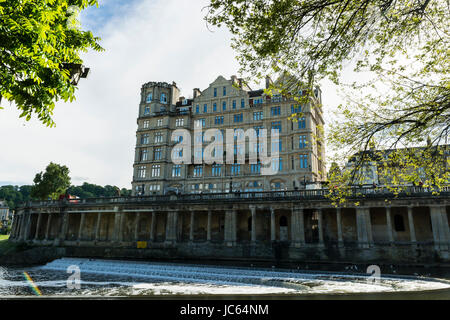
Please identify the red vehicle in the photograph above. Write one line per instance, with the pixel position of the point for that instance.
(70, 198)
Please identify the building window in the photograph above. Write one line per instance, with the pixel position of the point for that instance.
(296, 108)
(141, 171)
(274, 145)
(302, 123)
(258, 101)
(276, 126)
(257, 115)
(159, 122)
(218, 120)
(303, 161)
(275, 111)
(302, 142)
(154, 187)
(198, 171)
(144, 155)
(224, 105)
(163, 98)
(176, 170)
(234, 104)
(224, 91)
(399, 223)
(179, 122)
(146, 110)
(197, 109)
(214, 107)
(257, 130)
(215, 92)
(200, 123)
(238, 117)
(205, 108)
(277, 164)
(156, 170)
(216, 170)
(144, 138)
(158, 137)
(157, 154)
(146, 124)
(235, 169)
(149, 98)
(255, 167)
(242, 103)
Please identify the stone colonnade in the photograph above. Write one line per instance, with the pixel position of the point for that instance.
(360, 226)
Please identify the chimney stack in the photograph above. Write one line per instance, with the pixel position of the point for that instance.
(268, 82)
(197, 92)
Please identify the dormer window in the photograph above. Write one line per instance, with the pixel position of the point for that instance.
(163, 98)
(224, 91)
(149, 97)
(215, 92)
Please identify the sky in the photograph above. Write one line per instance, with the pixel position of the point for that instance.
(95, 136)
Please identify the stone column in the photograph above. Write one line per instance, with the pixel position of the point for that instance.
(16, 226)
(412, 230)
(364, 227)
(320, 226)
(63, 230)
(171, 226)
(136, 227)
(208, 231)
(80, 230)
(253, 212)
(47, 230)
(439, 224)
(152, 227)
(230, 227)
(297, 227)
(97, 226)
(117, 223)
(272, 224)
(36, 234)
(27, 226)
(191, 227)
(389, 225)
(339, 227)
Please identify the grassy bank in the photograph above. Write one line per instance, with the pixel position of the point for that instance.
(4, 237)
(7, 247)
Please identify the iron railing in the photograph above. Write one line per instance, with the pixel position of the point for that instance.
(286, 195)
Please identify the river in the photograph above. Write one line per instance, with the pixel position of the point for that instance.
(93, 278)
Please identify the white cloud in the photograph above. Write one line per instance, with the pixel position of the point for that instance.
(165, 40)
(95, 135)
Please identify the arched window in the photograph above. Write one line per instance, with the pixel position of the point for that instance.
(149, 97)
(283, 221)
(249, 224)
(163, 98)
(399, 224)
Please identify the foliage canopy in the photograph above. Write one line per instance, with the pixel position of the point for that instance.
(38, 38)
(399, 50)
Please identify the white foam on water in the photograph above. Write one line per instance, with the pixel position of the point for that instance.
(169, 278)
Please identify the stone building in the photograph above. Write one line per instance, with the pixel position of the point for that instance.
(225, 104)
(4, 211)
(294, 226)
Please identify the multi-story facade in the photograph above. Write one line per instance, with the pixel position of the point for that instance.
(225, 105)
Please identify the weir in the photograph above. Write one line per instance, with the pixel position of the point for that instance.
(279, 226)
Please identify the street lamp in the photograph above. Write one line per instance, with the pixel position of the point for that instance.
(77, 71)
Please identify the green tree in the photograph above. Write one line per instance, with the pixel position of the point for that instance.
(401, 48)
(51, 184)
(39, 40)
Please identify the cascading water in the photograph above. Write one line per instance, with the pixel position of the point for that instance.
(112, 277)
